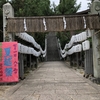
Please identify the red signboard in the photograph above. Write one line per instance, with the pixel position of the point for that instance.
(9, 62)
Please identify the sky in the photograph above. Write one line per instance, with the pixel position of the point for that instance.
(84, 5)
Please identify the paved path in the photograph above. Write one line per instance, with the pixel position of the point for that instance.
(54, 81)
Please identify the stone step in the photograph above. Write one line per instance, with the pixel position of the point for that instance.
(52, 49)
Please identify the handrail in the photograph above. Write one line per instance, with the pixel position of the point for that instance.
(79, 38)
(29, 50)
(74, 49)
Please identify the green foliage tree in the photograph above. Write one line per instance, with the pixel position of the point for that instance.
(31, 7)
(54, 9)
(68, 7)
(64, 38)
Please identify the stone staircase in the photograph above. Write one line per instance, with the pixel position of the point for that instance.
(52, 49)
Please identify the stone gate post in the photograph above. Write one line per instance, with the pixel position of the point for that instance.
(96, 41)
(8, 12)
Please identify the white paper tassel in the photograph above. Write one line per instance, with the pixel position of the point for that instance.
(44, 22)
(64, 20)
(25, 28)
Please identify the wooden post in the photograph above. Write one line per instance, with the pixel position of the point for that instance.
(80, 60)
(36, 62)
(21, 66)
(77, 59)
(71, 63)
(30, 61)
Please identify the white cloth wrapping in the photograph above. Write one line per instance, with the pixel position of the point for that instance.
(74, 49)
(84, 37)
(64, 55)
(19, 47)
(25, 49)
(78, 48)
(89, 34)
(35, 53)
(74, 39)
(28, 50)
(86, 45)
(71, 51)
(30, 39)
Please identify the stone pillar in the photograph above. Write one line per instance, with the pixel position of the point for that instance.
(96, 42)
(8, 12)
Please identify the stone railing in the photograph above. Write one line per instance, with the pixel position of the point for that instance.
(29, 50)
(81, 44)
